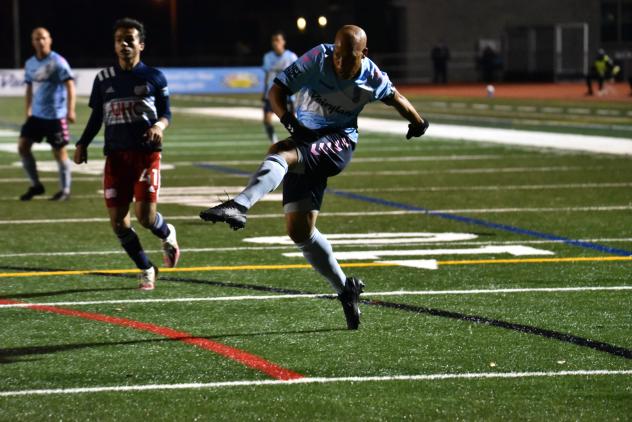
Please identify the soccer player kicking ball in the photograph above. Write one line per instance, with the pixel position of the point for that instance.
(50, 106)
(275, 61)
(132, 99)
(334, 83)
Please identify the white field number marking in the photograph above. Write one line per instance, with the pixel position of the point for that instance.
(372, 238)
(410, 238)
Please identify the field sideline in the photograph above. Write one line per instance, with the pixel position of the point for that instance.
(498, 279)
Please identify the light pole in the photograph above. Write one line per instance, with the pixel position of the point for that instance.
(173, 18)
(17, 62)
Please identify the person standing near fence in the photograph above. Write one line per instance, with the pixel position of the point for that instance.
(440, 56)
(601, 69)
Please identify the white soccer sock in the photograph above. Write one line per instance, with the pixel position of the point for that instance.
(318, 252)
(267, 178)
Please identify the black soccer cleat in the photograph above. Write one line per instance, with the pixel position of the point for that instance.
(60, 196)
(228, 212)
(33, 191)
(350, 299)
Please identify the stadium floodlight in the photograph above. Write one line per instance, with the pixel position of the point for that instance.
(322, 21)
(301, 24)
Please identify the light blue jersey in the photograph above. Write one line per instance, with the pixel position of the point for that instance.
(47, 76)
(273, 64)
(325, 101)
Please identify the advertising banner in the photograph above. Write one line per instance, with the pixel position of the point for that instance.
(181, 80)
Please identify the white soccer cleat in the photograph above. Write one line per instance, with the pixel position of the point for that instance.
(170, 249)
(148, 279)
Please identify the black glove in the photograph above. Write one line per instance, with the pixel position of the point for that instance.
(299, 132)
(417, 129)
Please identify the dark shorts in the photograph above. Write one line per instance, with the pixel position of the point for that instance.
(303, 189)
(54, 130)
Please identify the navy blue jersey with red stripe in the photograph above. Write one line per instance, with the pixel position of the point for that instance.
(131, 101)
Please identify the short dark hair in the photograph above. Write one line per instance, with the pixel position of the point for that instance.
(278, 33)
(129, 23)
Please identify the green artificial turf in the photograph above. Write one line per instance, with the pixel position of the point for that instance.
(551, 194)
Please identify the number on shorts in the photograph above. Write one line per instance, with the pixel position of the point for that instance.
(152, 178)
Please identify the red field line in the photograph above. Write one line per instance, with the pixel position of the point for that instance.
(243, 357)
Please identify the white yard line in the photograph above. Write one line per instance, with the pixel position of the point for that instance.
(544, 209)
(195, 217)
(319, 380)
(213, 190)
(321, 295)
(120, 251)
(493, 187)
(484, 170)
(601, 208)
(49, 179)
(538, 139)
(292, 247)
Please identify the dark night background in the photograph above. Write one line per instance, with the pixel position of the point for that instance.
(209, 33)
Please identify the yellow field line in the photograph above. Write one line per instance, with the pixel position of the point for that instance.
(193, 269)
(536, 260)
(304, 266)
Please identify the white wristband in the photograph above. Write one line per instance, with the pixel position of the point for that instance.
(160, 124)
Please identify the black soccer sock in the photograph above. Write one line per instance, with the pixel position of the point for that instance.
(270, 132)
(130, 242)
(160, 228)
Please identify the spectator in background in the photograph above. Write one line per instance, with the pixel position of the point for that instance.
(440, 55)
(489, 62)
(601, 69)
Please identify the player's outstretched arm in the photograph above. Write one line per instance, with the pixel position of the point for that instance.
(418, 125)
(28, 100)
(70, 89)
(92, 128)
(278, 101)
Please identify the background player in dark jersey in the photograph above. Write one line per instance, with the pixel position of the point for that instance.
(132, 99)
(50, 106)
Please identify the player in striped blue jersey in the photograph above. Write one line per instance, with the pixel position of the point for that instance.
(275, 61)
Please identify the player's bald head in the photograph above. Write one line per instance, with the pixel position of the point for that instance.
(40, 31)
(349, 50)
(41, 40)
(351, 37)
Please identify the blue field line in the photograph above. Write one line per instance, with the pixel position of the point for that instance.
(447, 216)
(483, 223)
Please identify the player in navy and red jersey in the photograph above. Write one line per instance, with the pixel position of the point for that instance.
(132, 100)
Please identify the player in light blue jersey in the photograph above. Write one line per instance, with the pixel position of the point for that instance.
(333, 83)
(274, 62)
(50, 106)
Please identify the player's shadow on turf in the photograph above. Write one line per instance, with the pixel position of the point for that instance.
(17, 354)
(22, 354)
(63, 292)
